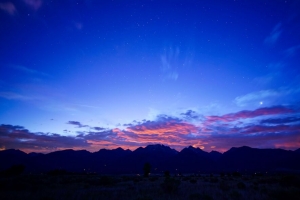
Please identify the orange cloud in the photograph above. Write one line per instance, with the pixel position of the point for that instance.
(165, 127)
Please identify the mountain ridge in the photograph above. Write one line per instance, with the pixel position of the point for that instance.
(161, 158)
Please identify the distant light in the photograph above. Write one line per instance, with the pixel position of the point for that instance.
(261, 103)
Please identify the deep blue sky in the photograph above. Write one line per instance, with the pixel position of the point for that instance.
(92, 74)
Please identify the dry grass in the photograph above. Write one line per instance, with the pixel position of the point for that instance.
(155, 187)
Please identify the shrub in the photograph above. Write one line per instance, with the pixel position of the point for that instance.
(236, 174)
(147, 169)
(127, 178)
(193, 181)
(155, 178)
(283, 194)
(224, 186)
(57, 172)
(167, 174)
(103, 180)
(15, 170)
(186, 178)
(170, 185)
(241, 185)
(214, 180)
(289, 181)
(144, 198)
(235, 195)
(198, 196)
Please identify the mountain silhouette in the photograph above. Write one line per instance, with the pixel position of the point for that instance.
(162, 158)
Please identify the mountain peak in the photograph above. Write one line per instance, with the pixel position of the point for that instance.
(158, 148)
(13, 151)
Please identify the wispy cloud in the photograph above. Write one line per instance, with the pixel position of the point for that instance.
(169, 60)
(8, 7)
(274, 35)
(15, 96)
(246, 114)
(76, 123)
(292, 50)
(283, 95)
(34, 4)
(266, 79)
(30, 71)
(281, 120)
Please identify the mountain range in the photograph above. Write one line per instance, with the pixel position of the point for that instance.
(162, 158)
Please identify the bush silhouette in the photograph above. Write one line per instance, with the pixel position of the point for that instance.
(103, 181)
(15, 170)
(235, 195)
(241, 185)
(170, 185)
(147, 169)
(224, 186)
(57, 172)
(236, 174)
(193, 180)
(167, 174)
(289, 181)
(198, 196)
(153, 178)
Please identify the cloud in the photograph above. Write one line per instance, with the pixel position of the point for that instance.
(163, 127)
(292, 50)
(267, 79)
(21, 138)
(283, 95)
(274, 35)
(87, 106)
(169, 60)
(8, 7)
(15, 96)
(262, 129)
(30, 71)
(191, 115)
(281, 120)
(246, 114)
(34, 4)
(76, 123)
(99, 128)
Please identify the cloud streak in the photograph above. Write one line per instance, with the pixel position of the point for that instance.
(274, 35)
(8, 7)
(283, 95)
(168, 60)
(77, 124)
(15, 96)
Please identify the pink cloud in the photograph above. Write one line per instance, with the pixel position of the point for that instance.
(34, 4)
(163, 127)
(249, 114)
(8, 7)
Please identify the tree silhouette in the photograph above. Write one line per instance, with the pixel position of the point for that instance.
(15, 170)
(147, 169)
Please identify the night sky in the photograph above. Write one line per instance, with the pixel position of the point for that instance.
(91, 74)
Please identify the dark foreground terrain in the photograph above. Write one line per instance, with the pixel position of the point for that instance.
(206, 187)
